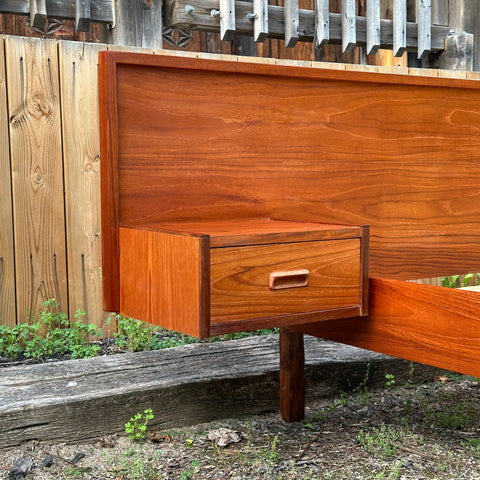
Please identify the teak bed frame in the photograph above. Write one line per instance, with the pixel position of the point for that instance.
(238, 196)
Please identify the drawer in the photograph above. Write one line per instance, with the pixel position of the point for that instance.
(283, 279)
(209, 278)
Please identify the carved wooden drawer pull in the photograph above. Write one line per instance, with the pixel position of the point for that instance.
(290, 279)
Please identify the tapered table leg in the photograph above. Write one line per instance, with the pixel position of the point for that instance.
(292, 376)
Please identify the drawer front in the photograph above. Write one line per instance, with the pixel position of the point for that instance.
(281, 279)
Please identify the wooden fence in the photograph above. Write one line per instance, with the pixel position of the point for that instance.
(50, 238)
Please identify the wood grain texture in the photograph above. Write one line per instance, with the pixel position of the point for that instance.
(137, 24)
(36, 157)
(167, 284)
(231, 232)
(7, 258)
(433, 325)
(292, 376)
(239, 279)
(344, 147)
(81, 154)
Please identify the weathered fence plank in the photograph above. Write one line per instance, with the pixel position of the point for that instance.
(227, 19)
(137, 24)
(373, 26)
(349, 26)
(424, 20)
(260, 20)
(82, 15)
(7, 265)
(322, 23)
(292, 23)
(36, 158)
(38, 13)
(399, 27)
(81, 153)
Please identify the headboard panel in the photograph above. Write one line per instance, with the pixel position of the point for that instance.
(187, 138)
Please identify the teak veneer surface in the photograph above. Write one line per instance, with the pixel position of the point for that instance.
(202, 139)
(255, 231)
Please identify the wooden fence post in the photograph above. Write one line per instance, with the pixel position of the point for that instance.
(138, 23)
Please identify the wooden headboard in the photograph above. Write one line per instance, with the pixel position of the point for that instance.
(186, 138)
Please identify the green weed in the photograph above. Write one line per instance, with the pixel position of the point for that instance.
(133, 465)
(52, 334)
(137, 427)
(380, 441)
(390, 381)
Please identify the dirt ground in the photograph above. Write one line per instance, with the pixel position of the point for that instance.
(421, 431)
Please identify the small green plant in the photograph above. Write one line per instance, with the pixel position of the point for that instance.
(135, 336)
(380, 441)
(133, 465)
(137, 427)
(51, 335)
(390, 381)
(193, 472)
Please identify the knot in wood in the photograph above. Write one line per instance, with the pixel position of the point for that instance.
(39, 107)
(37, 178)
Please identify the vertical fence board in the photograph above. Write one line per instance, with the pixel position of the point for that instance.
(424, 21)
(399, 27)
(322, 23)
(82, 15)
(349, 26)
(7, 259)
(373, 26)
(260, 22)
(38, 13)
(227, 19)
(81, 153)
(292, 22)
(37, 173)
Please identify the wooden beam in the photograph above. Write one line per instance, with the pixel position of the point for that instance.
(349, 30)
(176, 16)
(322, 23)
(432, 325)
(424, 20)
(101, 10)
(292, 22)
(458, 54)
(260, 21)
(82, 15)
(38, 13)
(292, 376)
(399, 27)
(373, 26)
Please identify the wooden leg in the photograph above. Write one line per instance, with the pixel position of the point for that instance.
(292, 376)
